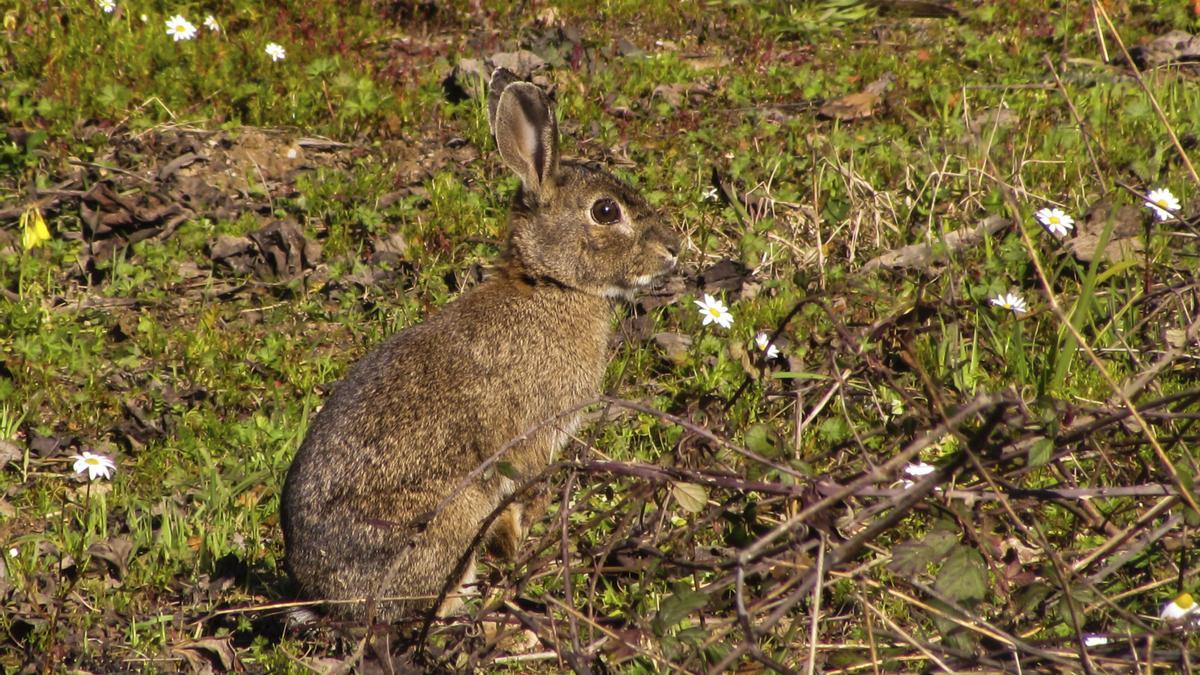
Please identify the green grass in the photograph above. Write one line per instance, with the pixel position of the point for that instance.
(200, 381)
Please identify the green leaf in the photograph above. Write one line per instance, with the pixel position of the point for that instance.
(914, 557)
(693, 498)
(763, 440)
(1041, 451)
(964, 576)
(676, 607)
(909, 558)
(507, 470)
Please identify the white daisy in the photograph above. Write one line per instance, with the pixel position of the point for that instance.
(762, 340)
(96, 466)
(14, 552)
(275, 51)
(1182, 607)
(180, 28)
(211, 24)
(107, 6)
(714, 311)
(1163, 203)
(1056, 222)
(1012, 302)
(709, 194)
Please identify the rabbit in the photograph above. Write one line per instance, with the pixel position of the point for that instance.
(409, 425)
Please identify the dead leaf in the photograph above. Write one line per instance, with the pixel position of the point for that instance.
(674, 346)
(1001, 117)
(666, 292)
(930, 9)
(1176, 47)
(727, 275)
(922, 255)
(1124, 241)
(9, 452)
(859, 104)
(49, 446)
(115, 551)
(279, 251)
(705, 62)
(200, 654)
(674, 94)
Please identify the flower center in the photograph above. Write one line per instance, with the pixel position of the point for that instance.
(92, 461)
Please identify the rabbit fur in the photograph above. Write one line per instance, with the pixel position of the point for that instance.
(413, 418)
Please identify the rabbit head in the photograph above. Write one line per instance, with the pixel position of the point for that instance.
(572, 222)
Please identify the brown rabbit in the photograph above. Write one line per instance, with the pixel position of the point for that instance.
(431, 404)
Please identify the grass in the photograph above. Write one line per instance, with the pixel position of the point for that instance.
(199, 379)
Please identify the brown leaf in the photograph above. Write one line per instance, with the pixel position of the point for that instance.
(931, 9)
(922, 255)
(1124, 240)
(859, 104)
(200, 654)
(278, 251)
(673, 345)
(115, 551)
(1174, 47)
(9, 452)
(726, 275)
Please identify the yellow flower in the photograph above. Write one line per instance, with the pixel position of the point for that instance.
(33, 228)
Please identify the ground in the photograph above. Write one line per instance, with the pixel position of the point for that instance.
(972, 449)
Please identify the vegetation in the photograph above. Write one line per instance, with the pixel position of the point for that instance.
(197, 238)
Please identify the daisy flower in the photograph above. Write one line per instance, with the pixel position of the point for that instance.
(762, 340)
(714, 311)
(1012, 302)
(709, 194)
(180, 28)
(1182, 607)
(1163, 203)
(211, 24)
(107, 6)
(275, 51)
(96, 466)
(14, 552)
(1056, 222)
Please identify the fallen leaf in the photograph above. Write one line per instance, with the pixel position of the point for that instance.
(859, 104)
(922, 255)
(691, 497)
(674, 346)
(9, 452)
(115, 551)
(279, 251)
(1124, 240)
(200, 654)
(726, 275)
(1174, 47)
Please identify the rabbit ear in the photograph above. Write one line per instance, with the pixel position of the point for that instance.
(527, 136)
(501, 78)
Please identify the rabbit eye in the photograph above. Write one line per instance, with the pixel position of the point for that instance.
(606, 211)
